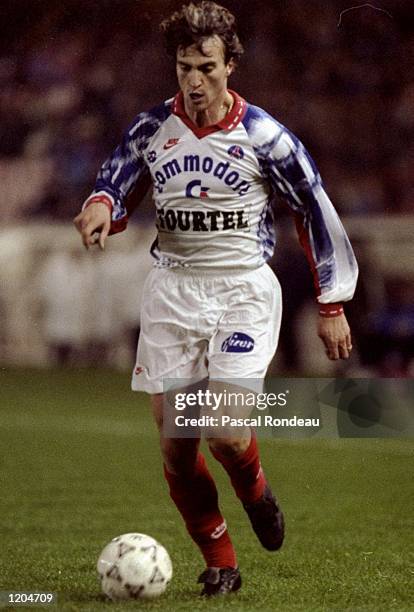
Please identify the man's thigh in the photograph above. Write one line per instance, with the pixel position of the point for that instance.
(193, 327)
(171, 343)
(248, 332)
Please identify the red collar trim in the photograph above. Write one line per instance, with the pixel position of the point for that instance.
(230, 121)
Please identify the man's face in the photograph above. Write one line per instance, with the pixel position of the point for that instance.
(202, 77)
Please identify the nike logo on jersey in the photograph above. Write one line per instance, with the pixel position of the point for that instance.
(171, 142)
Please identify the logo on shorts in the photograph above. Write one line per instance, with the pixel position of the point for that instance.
(236, 151)
(237, 343)
(138, 370)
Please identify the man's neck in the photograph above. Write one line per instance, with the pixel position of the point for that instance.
(214, 114)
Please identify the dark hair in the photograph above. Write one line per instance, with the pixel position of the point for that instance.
(193, 23)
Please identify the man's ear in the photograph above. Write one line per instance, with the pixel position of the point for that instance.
(230, 67)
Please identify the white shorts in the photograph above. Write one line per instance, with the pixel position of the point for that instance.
(196, 325)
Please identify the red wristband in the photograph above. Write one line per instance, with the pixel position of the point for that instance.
(331, 310)
(102, 199)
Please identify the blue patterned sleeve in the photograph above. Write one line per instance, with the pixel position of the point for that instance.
(126, 169)
(293, 176)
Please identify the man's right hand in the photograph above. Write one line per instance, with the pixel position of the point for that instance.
(95, 218)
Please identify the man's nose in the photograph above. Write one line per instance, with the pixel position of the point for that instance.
(195, 79)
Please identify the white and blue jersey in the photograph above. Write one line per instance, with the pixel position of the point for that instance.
(214, 191)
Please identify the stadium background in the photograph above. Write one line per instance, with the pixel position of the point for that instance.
(78, 451)
(73, 75)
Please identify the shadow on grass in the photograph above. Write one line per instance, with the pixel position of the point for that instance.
(167, 601)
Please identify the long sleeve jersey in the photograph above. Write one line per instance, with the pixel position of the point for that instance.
(215, 188)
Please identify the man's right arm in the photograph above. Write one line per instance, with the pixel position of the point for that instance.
(95, 221)
(123, 174)
(94, 224)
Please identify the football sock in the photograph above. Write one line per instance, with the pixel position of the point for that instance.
(196, 499)
(245, 472)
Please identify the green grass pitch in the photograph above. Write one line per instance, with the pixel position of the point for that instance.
(80, 464)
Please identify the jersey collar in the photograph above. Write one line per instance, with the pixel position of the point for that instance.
(230, 121)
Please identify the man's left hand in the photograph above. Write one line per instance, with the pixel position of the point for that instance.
(336, 336)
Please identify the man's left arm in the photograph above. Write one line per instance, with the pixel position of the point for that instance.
(336, 336)
(296, 179)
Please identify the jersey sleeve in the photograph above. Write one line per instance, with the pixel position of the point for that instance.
(125, 172)
(293, 175)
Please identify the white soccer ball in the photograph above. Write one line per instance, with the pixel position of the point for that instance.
(132, 566)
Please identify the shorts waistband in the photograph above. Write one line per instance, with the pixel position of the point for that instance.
(210, 272)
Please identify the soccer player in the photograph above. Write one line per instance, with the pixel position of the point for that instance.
(212, 305)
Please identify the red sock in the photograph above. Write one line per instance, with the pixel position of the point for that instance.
(245, 472)
(196, 499)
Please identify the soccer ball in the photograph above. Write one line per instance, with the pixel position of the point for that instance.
(132, 566)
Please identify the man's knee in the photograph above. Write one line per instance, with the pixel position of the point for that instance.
(157, 405)
(180, 455)
(228, 447)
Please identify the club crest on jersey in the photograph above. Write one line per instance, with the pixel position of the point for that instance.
(152, 156)
(238, 342)
(171, 142)
(194, 189)
(236, 151)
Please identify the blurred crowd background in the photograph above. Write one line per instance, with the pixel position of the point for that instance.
(73, 74)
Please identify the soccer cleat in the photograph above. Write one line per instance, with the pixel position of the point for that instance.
(267, 520)
(220, 580)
